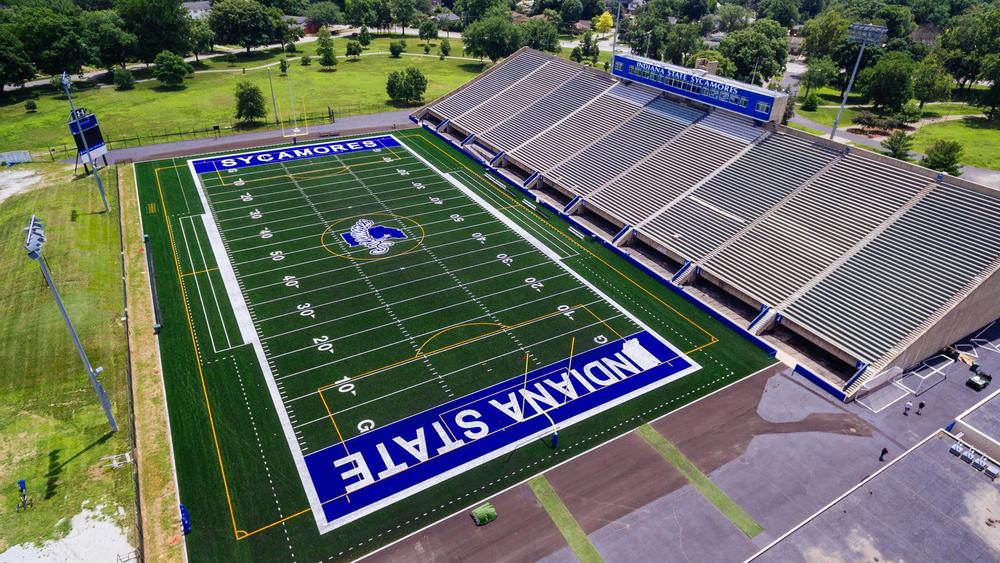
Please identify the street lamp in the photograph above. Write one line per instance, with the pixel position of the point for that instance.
(67, 84)
(33, 242)
(863, 34)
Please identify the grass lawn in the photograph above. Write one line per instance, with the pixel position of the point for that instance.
(564, 520)
(979, 137)
(55, 433)
(827, 115)
(207, 98)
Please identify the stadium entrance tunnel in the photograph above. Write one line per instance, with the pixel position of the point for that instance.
(656, 259)
(596, 223)
(810, 355)
(555, 197)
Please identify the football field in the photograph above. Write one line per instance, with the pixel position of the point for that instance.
(389, 324)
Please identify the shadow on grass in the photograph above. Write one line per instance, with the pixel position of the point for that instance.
(170, 88)
(473, 67)
(56, 465)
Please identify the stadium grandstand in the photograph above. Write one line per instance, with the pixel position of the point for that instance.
(851, 263)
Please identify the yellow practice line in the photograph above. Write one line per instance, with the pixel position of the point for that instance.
(197, 354)
(712, 338)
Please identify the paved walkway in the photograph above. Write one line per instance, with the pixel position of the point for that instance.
(345, 125)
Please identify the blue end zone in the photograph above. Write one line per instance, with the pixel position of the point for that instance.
(289, 154)
(389, 463)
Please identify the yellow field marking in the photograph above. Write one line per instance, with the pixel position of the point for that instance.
(420, 350)
(151, 208)
(602, 321)
(569, 362)
(712, 338)
(402, 218)
(199, 272)
(197, 354)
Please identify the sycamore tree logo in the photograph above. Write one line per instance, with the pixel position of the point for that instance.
(378, 239)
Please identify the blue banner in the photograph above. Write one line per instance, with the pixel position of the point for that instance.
(290, 154)
(387, 464)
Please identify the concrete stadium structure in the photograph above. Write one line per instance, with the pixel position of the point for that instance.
(851, 263)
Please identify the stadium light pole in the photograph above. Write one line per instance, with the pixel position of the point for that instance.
(863, 34)
(274, 102)
(67, 84)
(33, 242)
(614, 38)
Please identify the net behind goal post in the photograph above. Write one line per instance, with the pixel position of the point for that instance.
(926, 375)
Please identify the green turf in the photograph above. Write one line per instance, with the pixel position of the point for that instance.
(207, 98)
(564, 520)
(980, 140)
(54, 431)
(826, 114)
(269, 510)
(701, 482)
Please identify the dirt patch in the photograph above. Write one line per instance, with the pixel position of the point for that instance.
(719, 429)
(522, 531)
(16, 180)
(614, 480)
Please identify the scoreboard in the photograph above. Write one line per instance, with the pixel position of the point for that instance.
(752, 101)
(84, 127)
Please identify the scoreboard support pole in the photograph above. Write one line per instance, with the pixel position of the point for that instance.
(97, 175)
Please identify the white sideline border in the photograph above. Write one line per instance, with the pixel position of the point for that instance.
(250, 336)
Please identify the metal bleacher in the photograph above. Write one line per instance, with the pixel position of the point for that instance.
(545, 112)
(517, 96)
(810, 230)
(624, 146)
(918, 264)
(507, 73)
(737, 195)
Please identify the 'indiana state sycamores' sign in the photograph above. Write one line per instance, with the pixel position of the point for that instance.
(391, 462)
(290, 154)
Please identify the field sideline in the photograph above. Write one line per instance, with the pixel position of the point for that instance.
(236, 474)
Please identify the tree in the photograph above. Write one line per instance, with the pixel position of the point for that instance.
(724, 66)
(402, 12)
(360, 13)
(944, 156)
(105, 31)
(354, 49)
(445, 47)
(283, 65)
(51, 40)
(428, 30)
(246, 23)
(324, 48)
(821, 72)
(539, 34)
(170, 68)
(733, 17)
(810, 102)
(494, 37)
(576, 54)
(158, 25)
(931, 82)
(249, 102)
(989, 99)
(406, 86)
(323, 14)
(824, 33)
(898, 20)
(200, 36)
(15, 67)
(475, 10)
(891, 83)
(395, 49)
(758, 52)
(682, 40)
(693, 10)
(365, 37)
(571, 12)
(605, 22)
(785, 12)
(124, 79)
(588, 46)
(898, 145)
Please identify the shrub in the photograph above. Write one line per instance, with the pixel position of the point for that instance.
(290, 47)
(231, 59)
(427, 49)
(898, 144)
(396, 48)
(124, 79)
(170, 68)
(31, 106)
(811, 102)
(283, 65)
(56, 83)
(306, 60)
(910, 113)
(944, 156)
(445, 47)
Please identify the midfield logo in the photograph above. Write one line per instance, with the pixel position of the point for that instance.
(378, 239)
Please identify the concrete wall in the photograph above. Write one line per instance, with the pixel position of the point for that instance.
(981, 442)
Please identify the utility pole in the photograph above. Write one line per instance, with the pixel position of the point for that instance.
(614, 38)
(33, 244)
(274, 103)
(67, 84)
(860, 34)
